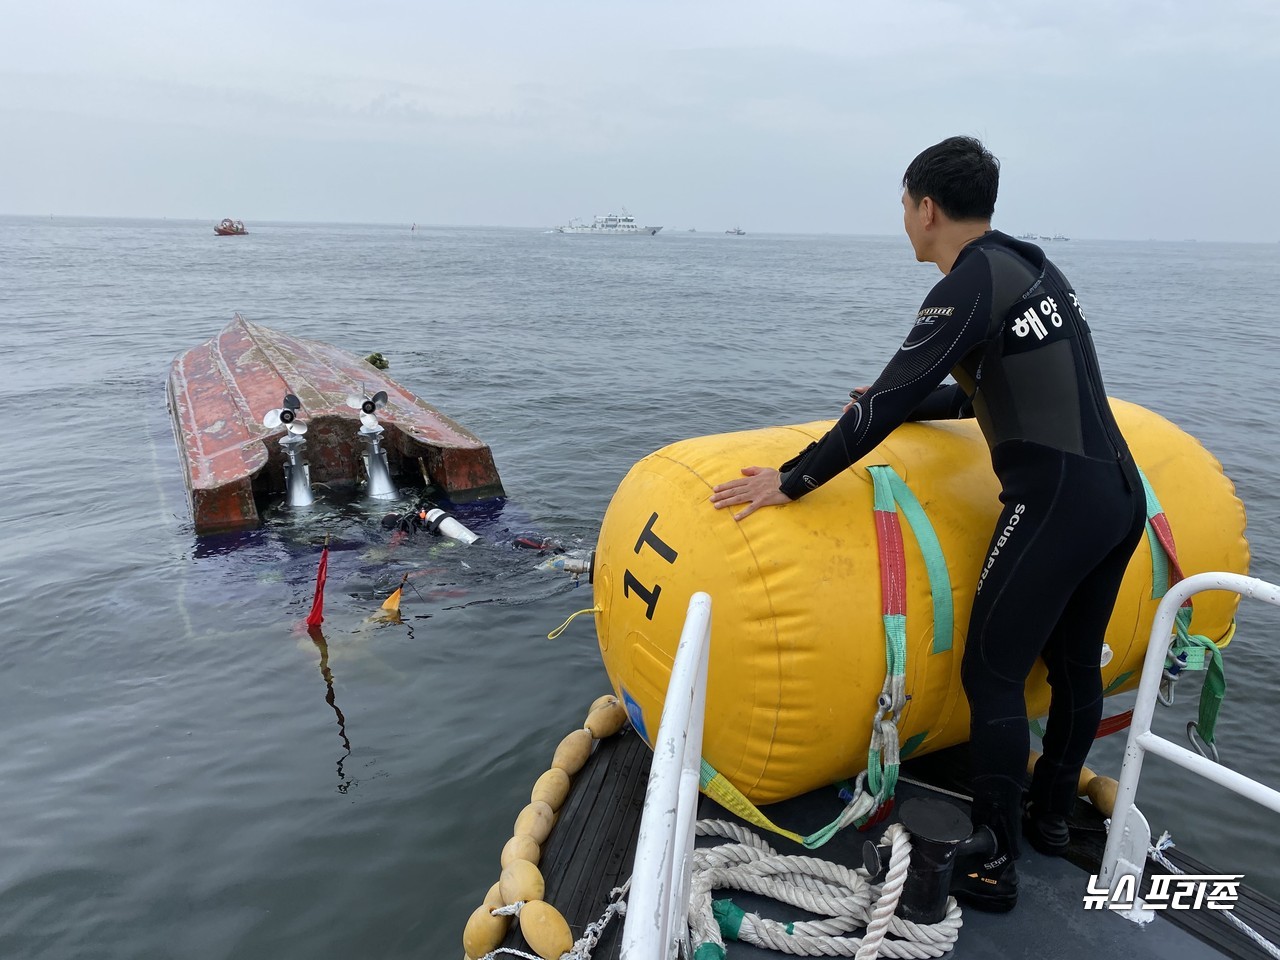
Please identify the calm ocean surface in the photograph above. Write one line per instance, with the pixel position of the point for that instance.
(184, 776)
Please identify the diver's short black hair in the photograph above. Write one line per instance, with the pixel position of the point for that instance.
(961, 176)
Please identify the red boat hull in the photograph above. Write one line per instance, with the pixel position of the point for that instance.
(219, 391)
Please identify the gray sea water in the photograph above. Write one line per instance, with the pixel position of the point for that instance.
(186, 775)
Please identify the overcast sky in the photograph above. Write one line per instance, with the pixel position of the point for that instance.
(1112, 119)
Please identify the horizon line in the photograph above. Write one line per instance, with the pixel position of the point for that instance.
(408, 224)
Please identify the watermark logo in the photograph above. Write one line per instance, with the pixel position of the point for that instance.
(1169, 891)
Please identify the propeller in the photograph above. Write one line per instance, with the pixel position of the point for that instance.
(286, 414)
(367, 404)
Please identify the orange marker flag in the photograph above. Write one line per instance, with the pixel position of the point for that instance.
(316, 616)
(392, 603)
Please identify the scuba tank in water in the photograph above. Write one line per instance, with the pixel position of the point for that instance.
(445, 524)
(431, 519)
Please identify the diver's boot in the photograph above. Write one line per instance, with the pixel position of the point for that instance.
(1045, 830)
(986, 878)
(990, 886)
(1045, 806)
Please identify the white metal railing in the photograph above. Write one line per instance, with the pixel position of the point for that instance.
(1130, 836)
(656, 907)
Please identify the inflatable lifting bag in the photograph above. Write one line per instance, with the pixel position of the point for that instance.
(797, 637)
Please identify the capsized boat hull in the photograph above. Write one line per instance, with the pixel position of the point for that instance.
(219, 391)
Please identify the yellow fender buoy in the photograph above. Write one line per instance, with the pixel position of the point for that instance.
(1082, 785)
(607, 720)
(1102, 794)
(572, 753)
(797, 651)
(521, 880)
(535, 820)
(520, 847)
(599, 702)
(483, 932)
(551, 788)
(545, 929)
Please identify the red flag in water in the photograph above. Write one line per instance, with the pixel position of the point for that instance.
(316, 616)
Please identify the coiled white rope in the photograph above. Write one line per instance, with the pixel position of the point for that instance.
(1157, 854)
(842, 895)
(846, 897)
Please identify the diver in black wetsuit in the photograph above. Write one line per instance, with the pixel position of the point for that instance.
(1007, 325)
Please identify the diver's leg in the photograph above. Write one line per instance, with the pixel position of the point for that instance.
(1073, 654)
(1012, 613)
(1039, 552)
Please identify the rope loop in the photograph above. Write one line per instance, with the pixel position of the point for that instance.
(560, 629)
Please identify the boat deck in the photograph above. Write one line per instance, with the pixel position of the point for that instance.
(593, 845)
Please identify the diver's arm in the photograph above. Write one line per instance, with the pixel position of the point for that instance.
(952, 321)
(947, 402)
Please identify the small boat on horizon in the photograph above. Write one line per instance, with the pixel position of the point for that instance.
(736, 232)
(611, 224)
(230, 228)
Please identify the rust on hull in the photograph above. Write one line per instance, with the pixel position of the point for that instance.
(219, 391)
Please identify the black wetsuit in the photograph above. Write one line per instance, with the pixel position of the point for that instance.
(1007, 325)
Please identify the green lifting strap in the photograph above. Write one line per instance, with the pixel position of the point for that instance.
(1201, 653)
(890, 491)
(1196, 652)
(891, 494)
(1159, 559)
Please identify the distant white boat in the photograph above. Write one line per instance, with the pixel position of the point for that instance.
(736, 231)
(610, 224)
